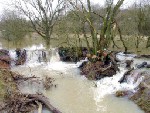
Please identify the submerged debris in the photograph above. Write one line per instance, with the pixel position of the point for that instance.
(98, 70)
(99, 66)
(23, 103)
(143, 65)
(128, 63)
(48, 83)
(13, 101)
(125, 76)
(124, 93)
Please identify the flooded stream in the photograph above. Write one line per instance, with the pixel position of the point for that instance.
(74, 93)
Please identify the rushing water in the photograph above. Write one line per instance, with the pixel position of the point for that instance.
(0, 45)
(74, 93)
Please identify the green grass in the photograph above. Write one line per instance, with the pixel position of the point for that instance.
(130, 42)
(61, 41)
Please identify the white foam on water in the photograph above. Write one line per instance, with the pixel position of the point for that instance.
(105, 86)
(33, 53)
(1, 45)
(54, 55)
(63, 66)
(12, 54)
(56, 64)
(121, 56)
(35, 47)
(110, 85)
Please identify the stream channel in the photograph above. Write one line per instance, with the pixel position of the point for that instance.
(74, 93)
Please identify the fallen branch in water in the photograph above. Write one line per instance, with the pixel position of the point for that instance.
(43, 100)
(23, 78)
(17, 103)
(18, 77)
(124, 78)
(40, 107)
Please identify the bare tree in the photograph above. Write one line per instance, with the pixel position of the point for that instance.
(143, 21)
(43, 15)
(107, 22)
(13, 27)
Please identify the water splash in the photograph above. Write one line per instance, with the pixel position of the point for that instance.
(55, 56)
(1, 45)
(105, 86)
(35, 47)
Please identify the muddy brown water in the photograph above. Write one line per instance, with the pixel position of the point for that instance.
(74, 93)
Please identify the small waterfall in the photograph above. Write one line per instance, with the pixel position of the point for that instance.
(56, 64)
(54, 55)
(33, 54)
(12, 54)
(77, 86)
(110, 85)
(105, 86)
(1, 45)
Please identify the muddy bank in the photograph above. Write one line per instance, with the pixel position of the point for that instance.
(5, 60)
(103, 64)
(13, 101)
(142, 95)
(98, 70)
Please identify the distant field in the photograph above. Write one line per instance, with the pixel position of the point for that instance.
(63, 41)
(130, 42)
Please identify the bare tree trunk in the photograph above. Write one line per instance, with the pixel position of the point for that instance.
(121, 38)
(92, 30)
(148, 42)
(105, 35)
(85, 36)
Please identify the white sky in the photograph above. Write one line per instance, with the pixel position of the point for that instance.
(126, 2)
(4, 3)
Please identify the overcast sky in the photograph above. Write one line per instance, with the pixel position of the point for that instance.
(126, 2)
(4, 3)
